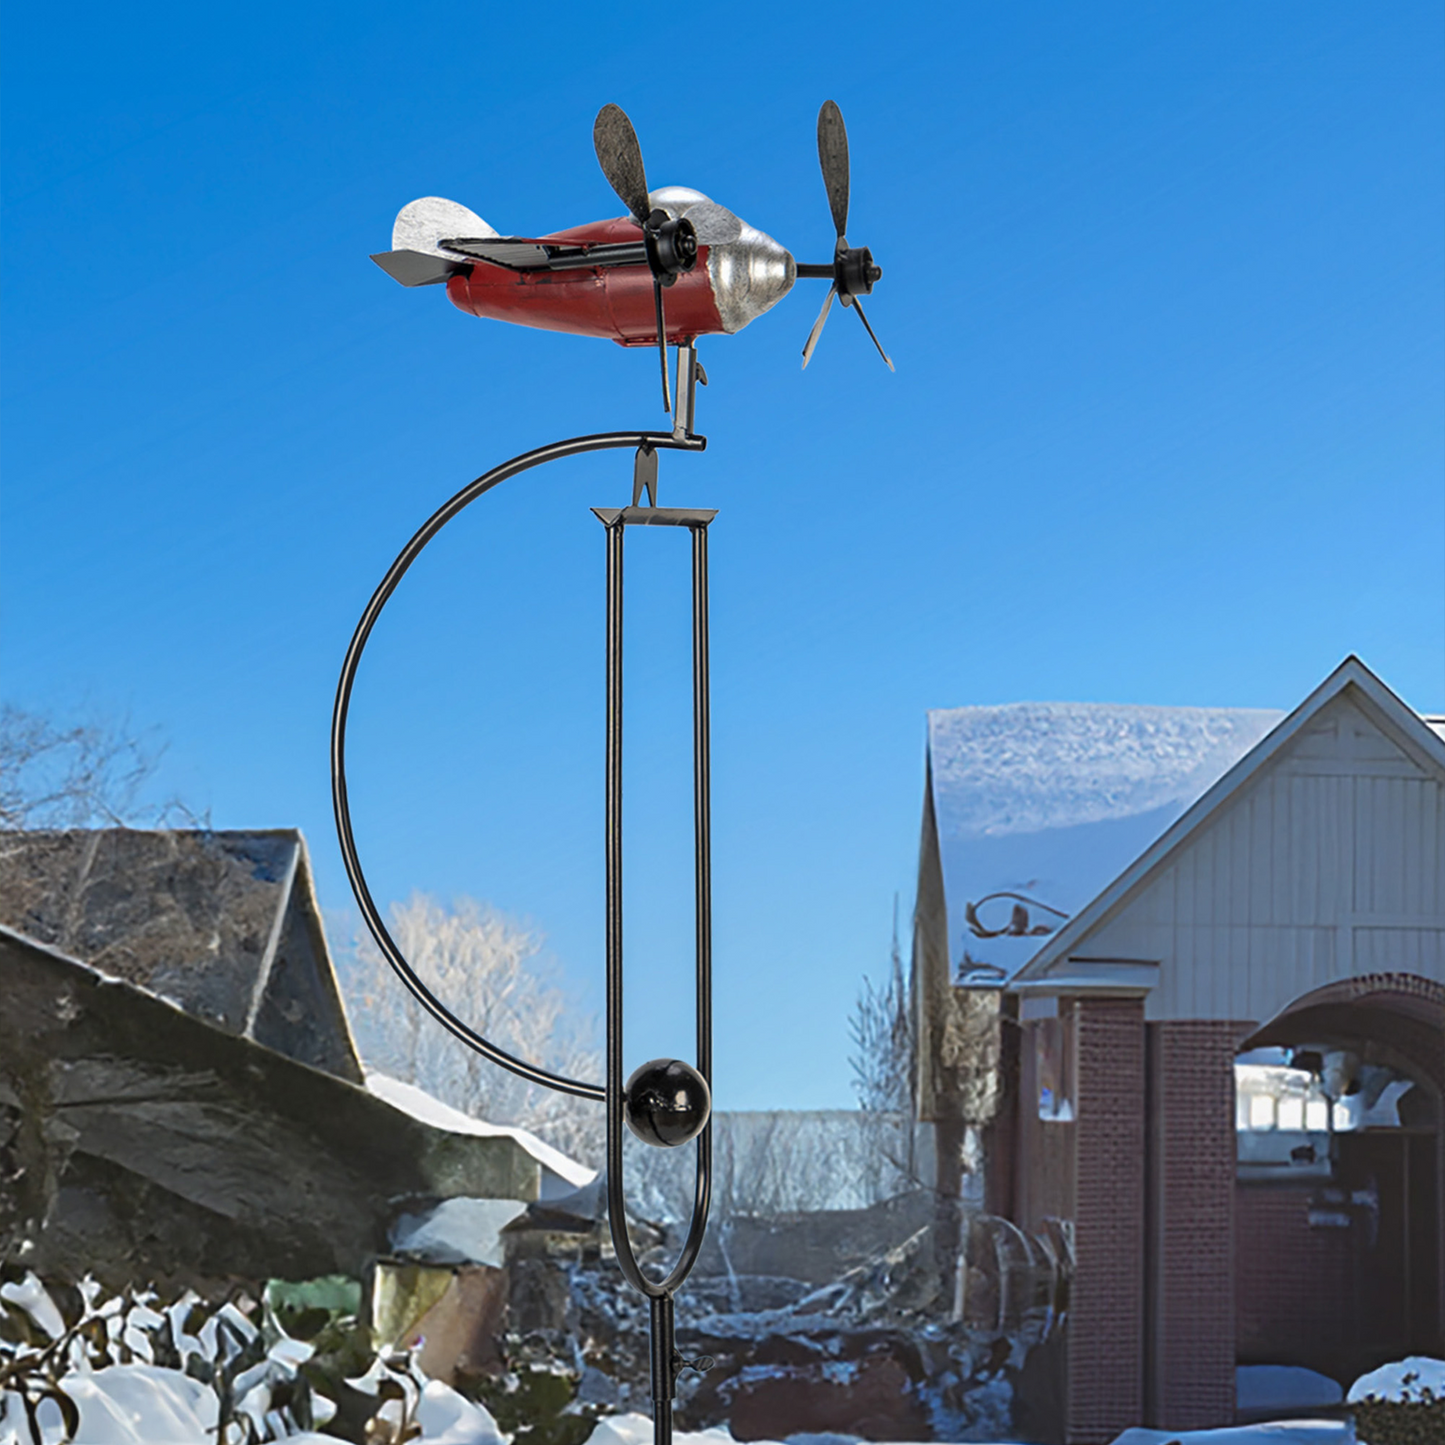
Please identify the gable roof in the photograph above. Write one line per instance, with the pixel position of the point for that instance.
(223, 924)
(1411, 732)
(166, 1147)
(1052, 800)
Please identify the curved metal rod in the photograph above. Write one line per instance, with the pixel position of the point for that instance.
(573, 446)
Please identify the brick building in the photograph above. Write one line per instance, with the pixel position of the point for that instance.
(1220, 1076)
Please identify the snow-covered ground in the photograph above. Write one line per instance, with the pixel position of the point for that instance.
(1279, 1432)
(1264, 1390)
(637, 1430)
(146, 1405)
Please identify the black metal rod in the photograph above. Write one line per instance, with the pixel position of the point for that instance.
(702, 865)
(702, 801)
(664, 1369)
(816, 273)
(341, 805)
(616, 1198)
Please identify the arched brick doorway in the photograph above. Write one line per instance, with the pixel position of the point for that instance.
(1339, 1258)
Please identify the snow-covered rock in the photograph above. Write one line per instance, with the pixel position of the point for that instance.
(1404, 1380)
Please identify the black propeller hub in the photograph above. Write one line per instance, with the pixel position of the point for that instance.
(854, 272)
(671, 246)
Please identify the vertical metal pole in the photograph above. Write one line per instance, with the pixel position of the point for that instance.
(616, 1209)
(663, 1370)
(702, 801)
(702, 863)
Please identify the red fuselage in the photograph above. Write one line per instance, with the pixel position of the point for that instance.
(616, 303)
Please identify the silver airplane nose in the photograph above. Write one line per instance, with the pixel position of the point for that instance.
(750, 272)
(749, 276)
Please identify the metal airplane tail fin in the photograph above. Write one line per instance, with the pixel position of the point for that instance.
(416, 257)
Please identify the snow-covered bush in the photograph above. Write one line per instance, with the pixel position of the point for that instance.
(1401, 1403)
(130, 1369)
(61, 1350)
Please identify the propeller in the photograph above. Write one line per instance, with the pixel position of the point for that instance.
(671, 245)
(852, 271)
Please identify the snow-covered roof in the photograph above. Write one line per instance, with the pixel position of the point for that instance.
(1053, 800)
(429, 1110)
(1405, 724)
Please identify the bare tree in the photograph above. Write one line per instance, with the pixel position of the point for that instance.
(82, 776)
(491, 972)
(882, 1032)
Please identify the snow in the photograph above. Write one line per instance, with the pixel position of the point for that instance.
(1055, 800)
(447, 1418)
(1283, 1387)
(428, 1110)
(30, 1295)
(1278, 1432)
(1401, 1380)
(637, 1430)
(147, 1405)
(1024, 767)
(126, 1405)
(457, 1231)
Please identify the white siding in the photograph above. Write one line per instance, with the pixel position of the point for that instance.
(1327, 864)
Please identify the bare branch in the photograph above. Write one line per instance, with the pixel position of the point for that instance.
(882, 1032)
(491, 971)
(83, 776)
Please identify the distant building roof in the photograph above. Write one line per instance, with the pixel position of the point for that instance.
(561, 1175)
(223, 924)
(1051, 801)
(174, 1048)
(159, 1146)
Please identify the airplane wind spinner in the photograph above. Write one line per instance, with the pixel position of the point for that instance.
(607, 278)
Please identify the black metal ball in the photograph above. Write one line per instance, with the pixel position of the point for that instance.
(667, 1102)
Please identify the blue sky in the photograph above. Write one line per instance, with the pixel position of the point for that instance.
(1164, 288)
